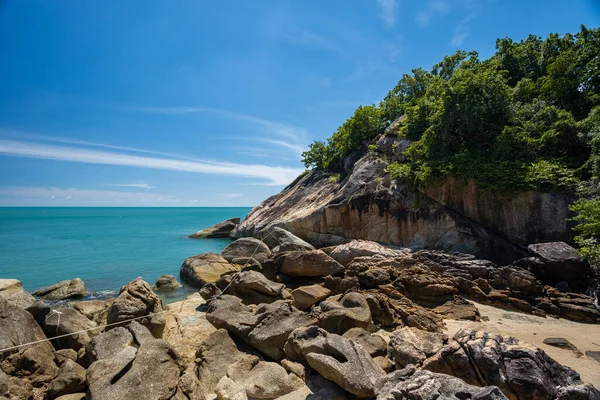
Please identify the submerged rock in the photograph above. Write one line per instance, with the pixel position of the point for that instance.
(62, 290)
(220, 230)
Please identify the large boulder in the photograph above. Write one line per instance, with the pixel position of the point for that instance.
(69, 321)
(247, 247)
(136, 299)
(352, 311)
(410, 383)
(413, 346)
(12, 291)
(254, 288)
(150, 371)
(62, 290)
(285, 240)
(375, 345)
(347, 252)
(560, 262)
(34, 362)
(519, 369)
(307, 296)
(70, 379)
(95, 310)
(204, 268)
(310, 263)
(220, 230)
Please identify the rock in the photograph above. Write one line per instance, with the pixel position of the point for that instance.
(254, 288)
(261, 379)
(220, 230)
(12, 388)
(12, 291)
(594, 355)
(215, 355)
(347, 252)
(339, 285)
(149, 372)
(228, 312)
(310, 263)
(229, 390)
(477, 357)
(166, 283)
(70, 379)
(67, 321)
(352, 311)
(563, 343)
(291, 247)
(410, 383)
(204, 268)
(303, 341)
(35, 362)
(459, 309)
(109, 344)
(271, 333)
(91, 308)
(274, 237)
(294, 368)
(74, 396)
(348, 365)
(136, 299)
(560, 262)
(247, 247)
(373, 344)
(307, 296)
(60, 356)
(62, 290)
(186, 327)
(413, 346)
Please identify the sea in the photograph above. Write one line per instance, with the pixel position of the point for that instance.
(105, 246)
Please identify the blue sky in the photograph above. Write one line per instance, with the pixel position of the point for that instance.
(197, 103)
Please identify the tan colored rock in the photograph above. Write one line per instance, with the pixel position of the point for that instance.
(204, 268)
(307, 296)
(220, 230)
(309, 264)
(347, 252)
(12, 291)
(62, 290)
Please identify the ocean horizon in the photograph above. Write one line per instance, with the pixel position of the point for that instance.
(105, 246)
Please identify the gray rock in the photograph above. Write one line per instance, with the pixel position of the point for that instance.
(254, 288)
(413, 346)
(66, 321)
(247, 247)
(291, 247)
(136, 299)
(229, 312)
(305, 340)
(347, 252)
(229, 390)
(563, 343)
(352, 311)
(307, 296)
(60, 356)
(204, 268)
(96, 310)
(70, 379)
(373, 344)
(109, 344)
(594, 355)
(62, 290)
(276, 236)
(13, 388)
(410, 383)
(309, 264)
(12, 291)
(561, 262)
(166, 283)
(220, 230)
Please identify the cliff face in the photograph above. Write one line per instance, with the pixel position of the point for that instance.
(452, 215)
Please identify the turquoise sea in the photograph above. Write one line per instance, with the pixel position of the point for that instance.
(106, 247)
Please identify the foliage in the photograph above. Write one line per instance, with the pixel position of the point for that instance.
(527, 118)
(588, 228)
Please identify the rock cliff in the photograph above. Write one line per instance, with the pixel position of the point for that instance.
(450, 215)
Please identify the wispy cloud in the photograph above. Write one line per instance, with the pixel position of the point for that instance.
(458, 38)
(132, 185)
(308, 39)
(432, 8)
(461, 32)
(388, 9)
(230, 195)
(272, 176)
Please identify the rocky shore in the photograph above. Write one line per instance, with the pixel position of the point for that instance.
(279, 319)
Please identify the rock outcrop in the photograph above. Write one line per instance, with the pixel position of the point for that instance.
(220, 230)
(12, 291)
(62, 290)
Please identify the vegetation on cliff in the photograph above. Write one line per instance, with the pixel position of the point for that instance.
(526, 118)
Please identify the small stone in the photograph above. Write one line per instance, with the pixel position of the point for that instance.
(307, 296)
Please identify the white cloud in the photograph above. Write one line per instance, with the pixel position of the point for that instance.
(458, 39)
(433, 7)
(272, 176)
(133, 185)
(388, 9)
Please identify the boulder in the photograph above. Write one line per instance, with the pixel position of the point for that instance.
(67, 321)
(60, 356)
(413, 346)
(247, 247)
(229, 390)
(305, 340)
(220, 230)
(310, 263)
(254, 288)
(274, 237)
(373, 344)
(74, 396)
(204, 268)
(70, 379)
(262, 379)
(345, 253)
(150, 371)
(563, 343)
(166, 283)
(519, 369)
(186, 327)
(12, 291)
(229, 312)
(560, 262)
(12, 388)
(461, 309)
(410, 383)
(109, 344)
(96, 310)
(351, 311)
(136, 299)
(307, 296)
(62, 290)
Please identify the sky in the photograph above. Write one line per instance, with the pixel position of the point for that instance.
(211, 103)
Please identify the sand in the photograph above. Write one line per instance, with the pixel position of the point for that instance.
(534, 330)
